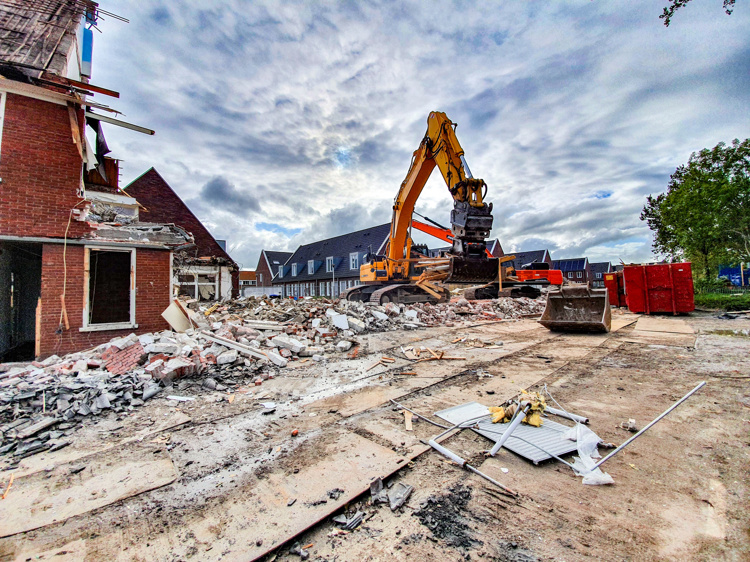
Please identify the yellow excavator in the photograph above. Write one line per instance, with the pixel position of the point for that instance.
(400, 274)
(403, 274)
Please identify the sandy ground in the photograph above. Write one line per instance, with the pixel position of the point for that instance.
(239, 484)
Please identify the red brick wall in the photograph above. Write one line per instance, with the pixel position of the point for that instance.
(164, 205)
(40, 169)
(262, 269)
(152, 297)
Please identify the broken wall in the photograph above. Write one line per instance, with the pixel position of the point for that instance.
(152, 296)
(40, 169)
(161, 204)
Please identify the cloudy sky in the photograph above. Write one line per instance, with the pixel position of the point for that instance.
(280, 123)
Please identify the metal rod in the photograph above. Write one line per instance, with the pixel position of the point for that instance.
(420, 415)
(566, 415)
(667, 411)
(462, 463)
(490, 479)
(517, 419)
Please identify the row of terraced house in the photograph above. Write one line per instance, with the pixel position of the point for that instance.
(328, 267)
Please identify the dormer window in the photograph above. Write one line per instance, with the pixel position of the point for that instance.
(310, 267)
(281, 271)
(329, 264)
(294, 270)
(354, 260)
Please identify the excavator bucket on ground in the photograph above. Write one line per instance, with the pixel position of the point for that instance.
(577, 309)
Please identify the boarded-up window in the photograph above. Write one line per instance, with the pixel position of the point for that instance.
(109, 286)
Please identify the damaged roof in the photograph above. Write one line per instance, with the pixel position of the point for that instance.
(147, 234)
(162, 204)
(38, 35)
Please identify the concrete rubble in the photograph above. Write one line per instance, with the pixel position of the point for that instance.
(43, 402)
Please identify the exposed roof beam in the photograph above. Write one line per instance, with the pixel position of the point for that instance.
(119, 123)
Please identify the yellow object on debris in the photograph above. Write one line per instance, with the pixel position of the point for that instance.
(534, 415)
(498, 414)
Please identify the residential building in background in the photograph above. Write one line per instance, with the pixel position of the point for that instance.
(268, 266)
(523, 259)
(205, 271)
(327, 267)
(575, 270)
(598, 269)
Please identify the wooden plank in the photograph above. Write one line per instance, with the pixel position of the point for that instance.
(38, 329)
(407, 420)
(55, 79)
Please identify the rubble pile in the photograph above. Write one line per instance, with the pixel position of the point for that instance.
(237, 342)
(322, 318)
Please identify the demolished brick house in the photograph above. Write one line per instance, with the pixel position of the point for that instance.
(76, 266)
(204, 271)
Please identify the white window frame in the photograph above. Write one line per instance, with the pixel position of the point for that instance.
(310, 267)
(294, 270)
(579, 274)
(198, 271)
(354, 260)
(87, 327)
(598, 275)
(281, 272)
(260, 278)
(329, 264)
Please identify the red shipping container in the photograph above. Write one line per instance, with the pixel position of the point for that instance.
(652, 289)
(615, 286)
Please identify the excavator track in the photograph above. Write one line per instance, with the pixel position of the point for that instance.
(405, 293)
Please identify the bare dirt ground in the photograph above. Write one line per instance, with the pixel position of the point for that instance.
(239, 485)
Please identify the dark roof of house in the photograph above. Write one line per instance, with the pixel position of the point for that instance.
(524, 258)
(162, 204)
(275, 259)
(38, 35)
(339, 248)
(495, 248)
(572, 264)
(601, 267)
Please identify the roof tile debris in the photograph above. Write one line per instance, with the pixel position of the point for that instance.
(239, 343)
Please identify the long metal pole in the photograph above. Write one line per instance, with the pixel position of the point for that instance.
(637, 435)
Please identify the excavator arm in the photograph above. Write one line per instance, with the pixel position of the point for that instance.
(471, 217)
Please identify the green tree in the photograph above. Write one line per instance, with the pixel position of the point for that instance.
(705, 214)
(675, 5)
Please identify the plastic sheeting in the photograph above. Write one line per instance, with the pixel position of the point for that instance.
(583, 465)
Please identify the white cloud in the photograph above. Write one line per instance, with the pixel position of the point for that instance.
(313, 111)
